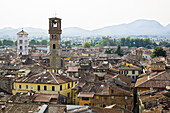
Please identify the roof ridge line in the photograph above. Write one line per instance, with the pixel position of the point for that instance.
(54, 77)
(151, 78)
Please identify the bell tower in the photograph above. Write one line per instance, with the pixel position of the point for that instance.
(55, 42)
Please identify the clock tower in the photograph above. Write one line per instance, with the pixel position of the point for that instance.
(55, 42)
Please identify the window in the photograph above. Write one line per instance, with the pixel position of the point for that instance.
(20, 47)
(52, 36)
(25, 41)
(45, 88)
(53, 88)
(26, 86)
(5, 85)
(60, 87)
(85, 98)
(97, 97)
(126, 72)
(105, 98)
(68, 85)
(76, 82)
(133, 77)
(19, 86)
(38, 87)
(126, 107)
(20, 41)
(121, 72)
(133, 71)
(68, 95)
(53, 46)
(112, 91)
(54, 23)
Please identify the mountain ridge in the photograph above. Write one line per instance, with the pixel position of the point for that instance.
(137, 27)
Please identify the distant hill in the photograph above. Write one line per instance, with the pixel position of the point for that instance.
(138, 27)
(10, 33)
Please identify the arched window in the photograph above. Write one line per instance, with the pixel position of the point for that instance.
(52, 36)
(53, 46)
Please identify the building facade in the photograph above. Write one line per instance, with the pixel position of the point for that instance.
(22, 43)
(55, 42)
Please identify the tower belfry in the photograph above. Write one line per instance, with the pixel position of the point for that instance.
(55, 42)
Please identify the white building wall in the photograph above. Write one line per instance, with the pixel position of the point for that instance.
(22, 44)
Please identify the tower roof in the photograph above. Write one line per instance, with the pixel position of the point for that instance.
(55, 18)
(22, 33)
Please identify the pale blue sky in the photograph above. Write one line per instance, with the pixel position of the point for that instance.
(87, 14)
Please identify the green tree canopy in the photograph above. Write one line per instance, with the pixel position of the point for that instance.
(38, 43)
(67, 43)
(8, 42)
(158, 51)
(43, 42)
(119, 51)
(107, 41)
(86, 45)
(109, 51)
(32, 42)
(164, 43)
(15, 42)
(0, 43)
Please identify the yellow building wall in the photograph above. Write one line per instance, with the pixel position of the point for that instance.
(83, 102)
(34, 87)
(126, 64)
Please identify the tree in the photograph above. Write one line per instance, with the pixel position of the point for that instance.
(122, 41)
(158, 51)
(44, 42)
(107, 41)
(8, 42)
(109, 51)
(32, 42)
(0, 43)
(38, 43)
(86, 45)
(164, 43)
(149, 46)
(67, 43)
(15, 43)
(119, 51)
(127, 42)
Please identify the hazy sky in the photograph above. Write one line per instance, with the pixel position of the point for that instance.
(87, 14)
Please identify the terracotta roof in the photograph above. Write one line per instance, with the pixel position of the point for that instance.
(115, 69)
(73, 69)
(114, 106)
(40, 97)
(154, 96)
(46, 78)
(22, 33)
(81, 94)
(159, 80)
(109, 110)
